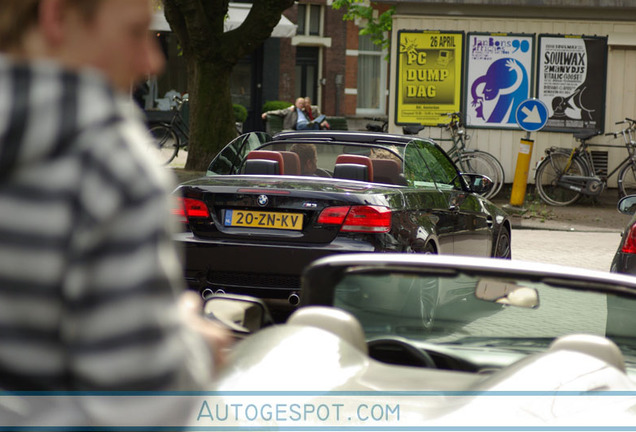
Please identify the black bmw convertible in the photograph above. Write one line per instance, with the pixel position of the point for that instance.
(268, 206)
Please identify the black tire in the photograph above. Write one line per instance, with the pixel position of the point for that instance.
(503, 247)
(480, 162)
(429, 249)
(420, 247)
(627, 180)
(166, 143)
(548, 173)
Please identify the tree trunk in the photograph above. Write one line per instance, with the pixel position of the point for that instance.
(212, 123)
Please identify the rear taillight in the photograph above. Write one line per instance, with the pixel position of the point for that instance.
(358, 218)
(333, 215)
(190, 208)
(629, 245)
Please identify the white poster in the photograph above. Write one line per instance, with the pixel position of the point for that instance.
(572, 81)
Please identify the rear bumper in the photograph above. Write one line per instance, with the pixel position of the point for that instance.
(261, 270)
(624, 263)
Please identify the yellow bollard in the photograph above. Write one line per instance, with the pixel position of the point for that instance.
(520, 181)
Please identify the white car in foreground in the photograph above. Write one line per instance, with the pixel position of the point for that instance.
(414, 342)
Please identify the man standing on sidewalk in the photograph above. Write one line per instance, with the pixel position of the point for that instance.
(89, 274)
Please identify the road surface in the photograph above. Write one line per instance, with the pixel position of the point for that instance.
(590, 250)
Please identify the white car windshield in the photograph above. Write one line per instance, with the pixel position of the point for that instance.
(466, 309)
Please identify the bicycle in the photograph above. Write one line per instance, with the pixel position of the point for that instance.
(168, 135)
(375, 127)
(564, 175)
(473, 160)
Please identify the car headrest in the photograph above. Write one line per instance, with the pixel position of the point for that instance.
(292, 162)
(351, 171)
(268, 155)
(596, 346)
(356, 159)
(336, 321)
(387, 171)
(262, 166)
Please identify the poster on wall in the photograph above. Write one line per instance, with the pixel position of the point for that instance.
(429, 67)
(499, 76)
(571, 81)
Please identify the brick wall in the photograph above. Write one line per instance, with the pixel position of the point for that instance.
(333, 62)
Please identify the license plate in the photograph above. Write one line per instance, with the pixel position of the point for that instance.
(259, 219)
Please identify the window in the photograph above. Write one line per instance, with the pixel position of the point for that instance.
(426, 165)
(241, 84)
(309, 20)
(372, 69)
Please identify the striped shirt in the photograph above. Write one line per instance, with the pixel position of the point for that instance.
(89, 273)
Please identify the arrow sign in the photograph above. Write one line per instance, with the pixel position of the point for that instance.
(532, 115)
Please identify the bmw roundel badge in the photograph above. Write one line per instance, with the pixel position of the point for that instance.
(262, 200)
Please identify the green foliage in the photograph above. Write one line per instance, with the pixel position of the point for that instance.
(240, 113)
(275, 105)
(376, 27)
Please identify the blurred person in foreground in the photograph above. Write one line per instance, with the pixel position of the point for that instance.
(91, 294)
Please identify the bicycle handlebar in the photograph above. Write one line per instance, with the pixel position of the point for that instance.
(179, 100)
(632, 122)
(626, 133)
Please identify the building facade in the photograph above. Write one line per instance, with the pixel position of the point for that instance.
(612, 20)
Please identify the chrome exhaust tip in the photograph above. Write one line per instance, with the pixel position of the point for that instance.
(293, 299)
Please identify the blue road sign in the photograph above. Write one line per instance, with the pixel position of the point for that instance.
(532, 115)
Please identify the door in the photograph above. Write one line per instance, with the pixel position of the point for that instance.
(307, 72)
(463, 222)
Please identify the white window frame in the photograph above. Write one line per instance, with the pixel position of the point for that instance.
(383, 90)
(312, 40)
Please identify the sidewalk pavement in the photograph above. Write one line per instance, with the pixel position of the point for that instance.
(597, 214)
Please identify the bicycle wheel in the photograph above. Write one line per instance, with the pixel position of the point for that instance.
(627, 180)
(548, 173)
(166, 143)
(481, 162)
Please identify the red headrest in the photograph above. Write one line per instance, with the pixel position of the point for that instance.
(268, 155)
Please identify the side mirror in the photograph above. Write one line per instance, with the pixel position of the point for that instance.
(627, 205)
(508, 293)
(479, 184)
(241, 314)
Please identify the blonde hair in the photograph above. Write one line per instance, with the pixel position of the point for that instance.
(306, 152)
(18, 17)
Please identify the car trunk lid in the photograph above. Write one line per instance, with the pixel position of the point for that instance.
(294, 209)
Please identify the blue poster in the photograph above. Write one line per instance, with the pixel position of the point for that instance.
(499, 77)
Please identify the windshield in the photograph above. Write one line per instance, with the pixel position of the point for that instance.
(465, 309)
